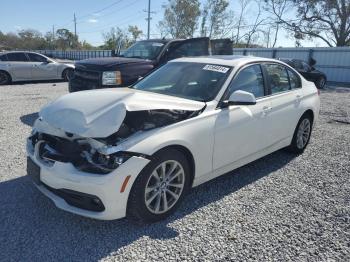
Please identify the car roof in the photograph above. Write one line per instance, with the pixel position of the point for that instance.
(228, 60)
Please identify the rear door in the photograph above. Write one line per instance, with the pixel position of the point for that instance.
(42, 68)
(19, 66)
(285, 95)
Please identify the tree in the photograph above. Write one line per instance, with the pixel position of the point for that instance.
(135, 32)
(242, 12)
(65, 39)
(328, 20)
(213, 17)
(254, 28)
(180, 18)
(115, 37)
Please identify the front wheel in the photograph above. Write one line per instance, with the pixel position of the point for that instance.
(160, 187)
(67, 74)
(5, 78)
(301, 135)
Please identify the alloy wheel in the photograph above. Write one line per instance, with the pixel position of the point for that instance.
(303, 133)
(164, 187)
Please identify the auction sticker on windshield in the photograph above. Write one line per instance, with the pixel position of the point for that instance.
(216, 68)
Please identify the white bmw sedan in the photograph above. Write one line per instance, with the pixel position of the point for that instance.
(137, 151)
(27, 66)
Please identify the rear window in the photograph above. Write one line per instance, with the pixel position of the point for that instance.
(17, 57)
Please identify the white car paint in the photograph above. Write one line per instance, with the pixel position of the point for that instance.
(31, 70)
(219, 139)
(87, 117)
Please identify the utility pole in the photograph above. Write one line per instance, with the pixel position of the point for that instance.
(149, 18)
(75, 26)
(53, 32)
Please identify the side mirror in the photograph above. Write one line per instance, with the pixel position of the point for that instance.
(240, 97)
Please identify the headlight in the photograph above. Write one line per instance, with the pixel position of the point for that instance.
(111, 78)
(103, 164)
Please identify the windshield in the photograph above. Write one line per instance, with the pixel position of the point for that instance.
(195, 81)
(144, 49)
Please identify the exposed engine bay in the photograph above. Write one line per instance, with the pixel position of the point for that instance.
(86, 154)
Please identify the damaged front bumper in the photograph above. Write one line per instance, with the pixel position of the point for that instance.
(84, 193)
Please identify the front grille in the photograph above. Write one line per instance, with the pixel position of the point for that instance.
(86, 79)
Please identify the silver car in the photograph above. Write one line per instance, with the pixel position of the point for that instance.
(27, 66)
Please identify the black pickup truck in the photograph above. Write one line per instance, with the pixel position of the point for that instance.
(139, 60)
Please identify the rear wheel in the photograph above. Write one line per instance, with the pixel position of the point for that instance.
(5, 78)
(67, 74)
(321, 82)
(160, 187)
(301, 135)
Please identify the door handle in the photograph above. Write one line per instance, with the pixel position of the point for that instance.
(298, 98)
(266, 110)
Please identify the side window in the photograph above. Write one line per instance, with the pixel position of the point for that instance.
(294, 79)
(298, 65)
(187, 48)
(36, 58)
(3, 58)
(249, 79)
(278, 78)
(306, 67)
(17, 57)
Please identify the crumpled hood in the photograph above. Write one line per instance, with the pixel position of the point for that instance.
(99, 113)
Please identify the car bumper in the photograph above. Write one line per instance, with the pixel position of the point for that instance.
(106, 188)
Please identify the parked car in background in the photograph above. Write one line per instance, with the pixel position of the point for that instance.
(137, 151)
(307, 71)
(139, 60)
(27, 66)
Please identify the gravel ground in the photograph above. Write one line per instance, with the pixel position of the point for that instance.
(278, 208)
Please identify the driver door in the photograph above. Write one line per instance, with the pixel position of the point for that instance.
(240, 131)
(42, 68)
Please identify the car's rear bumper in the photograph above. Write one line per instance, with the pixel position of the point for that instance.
(64, 177)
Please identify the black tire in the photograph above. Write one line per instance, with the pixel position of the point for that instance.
(321, 82)
(5, 78)
(137, 209)
(294, 146)
(67, 74)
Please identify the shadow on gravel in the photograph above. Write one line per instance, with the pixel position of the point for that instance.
(31, 227)
(29, 119)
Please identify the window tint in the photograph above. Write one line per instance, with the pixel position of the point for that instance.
(17, 57)
(278, 78)
(3, 58)
(294, 79)
(250, 79)
(36, 58)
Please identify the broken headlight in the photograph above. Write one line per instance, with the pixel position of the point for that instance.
(104, 164)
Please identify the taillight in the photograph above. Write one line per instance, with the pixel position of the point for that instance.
(318, 91)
